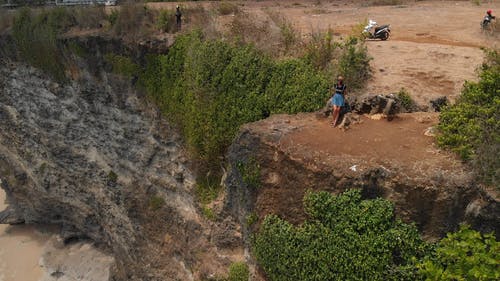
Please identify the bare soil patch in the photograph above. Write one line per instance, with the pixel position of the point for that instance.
(397, 143)
(434, 46)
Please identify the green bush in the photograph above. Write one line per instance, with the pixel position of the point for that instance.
(346, 238)
(238, 271)
(209, 88)
(464, 255)
(406, 101)
(113, 17)
(208, 213)
(165, 20)
(122, 65)
(250, 172)
(470, 127)
(319, 51)
(354, 63)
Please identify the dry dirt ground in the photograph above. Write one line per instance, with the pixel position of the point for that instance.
(434, 45)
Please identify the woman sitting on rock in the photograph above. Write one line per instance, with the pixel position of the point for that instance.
(337, 101)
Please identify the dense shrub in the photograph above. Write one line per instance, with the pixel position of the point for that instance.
(354, 63)
(238, 271)
(346, 238)
(165, 20)
(319, 51)
(407, 103)
(209, 88)
(471, 126)
(122, 65)
(464, 255)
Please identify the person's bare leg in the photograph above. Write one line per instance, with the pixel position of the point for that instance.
(336, 112)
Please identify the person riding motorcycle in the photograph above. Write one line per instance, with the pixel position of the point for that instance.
(488, 18)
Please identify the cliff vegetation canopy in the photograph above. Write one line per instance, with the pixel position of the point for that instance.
(471, 127)
(347, 238)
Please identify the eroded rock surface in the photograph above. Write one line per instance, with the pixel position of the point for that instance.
(92, 157)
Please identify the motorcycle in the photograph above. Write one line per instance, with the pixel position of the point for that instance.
(381, 32)
(486, 24)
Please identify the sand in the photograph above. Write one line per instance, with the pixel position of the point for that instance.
(20, 249)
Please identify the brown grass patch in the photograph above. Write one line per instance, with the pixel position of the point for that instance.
(6, 20)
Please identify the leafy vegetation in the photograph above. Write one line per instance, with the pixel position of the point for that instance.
(166, 20)
(464, 255)
(407, 102)
(471, 128)
(251, 219)
(250, 172)
(122, 65)
(346, 238)
(354, 63)
(208, 213)
(209, 88)
(238, 271)
(206, 87)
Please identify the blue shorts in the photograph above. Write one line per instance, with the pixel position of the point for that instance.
(337, 100)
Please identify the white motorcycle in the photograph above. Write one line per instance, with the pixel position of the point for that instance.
(380, 32)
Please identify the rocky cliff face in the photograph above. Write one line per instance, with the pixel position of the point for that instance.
(274, 161)
(93, 157)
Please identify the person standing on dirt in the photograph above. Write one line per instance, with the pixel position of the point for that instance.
(178, 17)
(337, 101)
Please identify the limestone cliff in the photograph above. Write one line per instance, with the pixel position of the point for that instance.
(92, 156)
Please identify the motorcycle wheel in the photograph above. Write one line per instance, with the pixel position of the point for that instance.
(385, 36)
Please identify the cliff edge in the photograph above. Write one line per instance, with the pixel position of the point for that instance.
(397, 160)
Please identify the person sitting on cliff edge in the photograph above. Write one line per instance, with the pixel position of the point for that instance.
(338, 99)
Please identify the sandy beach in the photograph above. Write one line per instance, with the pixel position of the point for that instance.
(20, 249)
